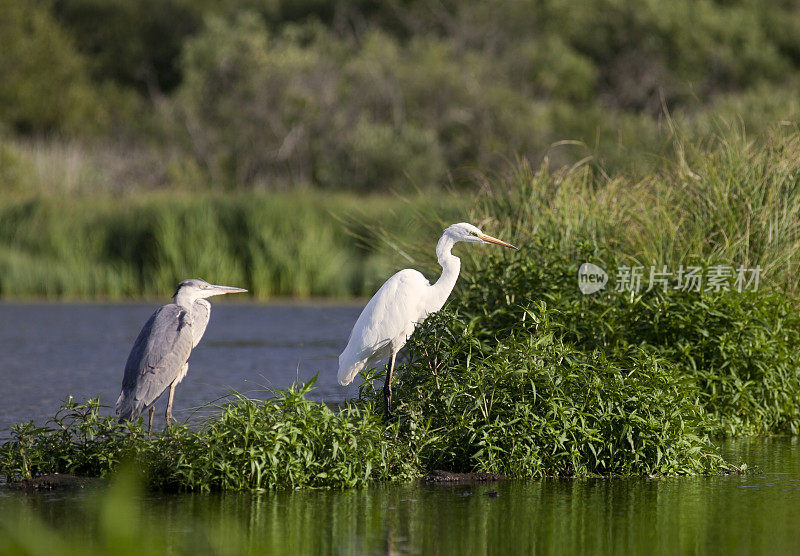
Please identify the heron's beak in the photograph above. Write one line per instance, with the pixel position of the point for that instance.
(220, 290)
(490, 239)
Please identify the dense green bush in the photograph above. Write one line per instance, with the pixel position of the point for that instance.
(286, 442)
(733, 355)
(76, 440)
(530, 405)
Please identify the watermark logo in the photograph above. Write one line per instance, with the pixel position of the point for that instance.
(591, 278)
(717, 278)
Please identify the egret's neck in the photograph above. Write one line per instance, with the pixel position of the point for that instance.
(451, 266)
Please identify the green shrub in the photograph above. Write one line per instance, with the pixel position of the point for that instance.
(530, 405)
(736, 350)
(285, 442)
(76, 440)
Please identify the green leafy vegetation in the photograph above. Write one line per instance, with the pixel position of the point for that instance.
(580, 418)
(531, 405)
(286, 442)
(526, 376)
(76, 440)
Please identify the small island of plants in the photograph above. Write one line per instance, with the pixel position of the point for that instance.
(522, 374)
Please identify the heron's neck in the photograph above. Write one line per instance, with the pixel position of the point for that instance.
(451, 266)
(184, 299)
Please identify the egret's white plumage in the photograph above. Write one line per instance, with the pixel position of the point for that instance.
(403, 302)
(388, 320)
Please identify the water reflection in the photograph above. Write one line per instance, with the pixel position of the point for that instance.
(755, 513)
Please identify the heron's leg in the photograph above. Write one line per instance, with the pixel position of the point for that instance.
(150, 425)
(387, 389)
(168, 414)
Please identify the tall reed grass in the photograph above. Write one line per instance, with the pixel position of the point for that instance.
(734, 199)
(294, 244)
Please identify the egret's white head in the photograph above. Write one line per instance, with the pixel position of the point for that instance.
(195, 288)
(472, 234)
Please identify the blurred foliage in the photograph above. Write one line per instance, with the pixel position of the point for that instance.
(734, 200)
(269, 94)
(44, 85)
(291, 244)
(135, 44)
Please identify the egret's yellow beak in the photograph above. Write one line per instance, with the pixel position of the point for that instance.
(491, 239)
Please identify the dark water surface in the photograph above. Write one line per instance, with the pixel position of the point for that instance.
(51, 351)
(751, 514)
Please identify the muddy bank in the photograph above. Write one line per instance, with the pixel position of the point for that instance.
(446, 477)
(53, 481)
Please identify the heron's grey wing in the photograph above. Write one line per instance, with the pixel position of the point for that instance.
(157, 357)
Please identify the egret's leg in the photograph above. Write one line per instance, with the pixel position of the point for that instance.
(150, 420)
(387, 389)
(168, 414)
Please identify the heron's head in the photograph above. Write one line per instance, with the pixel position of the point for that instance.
(195, 288)
(472, 234)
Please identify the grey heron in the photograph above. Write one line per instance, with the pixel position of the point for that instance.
(159, 357)
(403, 302)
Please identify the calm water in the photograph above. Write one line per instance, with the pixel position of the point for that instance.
(754, 514)
(51, 351)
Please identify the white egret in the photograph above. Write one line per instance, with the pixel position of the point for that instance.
(403, 302)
